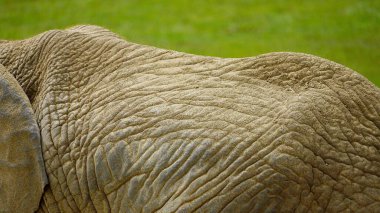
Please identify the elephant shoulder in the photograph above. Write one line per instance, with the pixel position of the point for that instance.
(79, 32)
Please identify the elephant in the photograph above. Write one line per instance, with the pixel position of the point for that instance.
(91, 122)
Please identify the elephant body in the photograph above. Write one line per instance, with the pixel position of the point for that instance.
(131, 128)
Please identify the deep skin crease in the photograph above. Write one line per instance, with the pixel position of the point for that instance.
(131, 128)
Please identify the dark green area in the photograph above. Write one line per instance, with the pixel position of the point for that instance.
(345, 31)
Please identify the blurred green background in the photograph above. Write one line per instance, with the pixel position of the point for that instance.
(345, 31)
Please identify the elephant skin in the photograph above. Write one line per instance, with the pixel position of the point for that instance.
(123, 127)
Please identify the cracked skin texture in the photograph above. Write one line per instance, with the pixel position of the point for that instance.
(132, 128)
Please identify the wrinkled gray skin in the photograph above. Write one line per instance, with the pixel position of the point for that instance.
(132, 128)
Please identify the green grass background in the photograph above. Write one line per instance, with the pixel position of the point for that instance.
(345, 31)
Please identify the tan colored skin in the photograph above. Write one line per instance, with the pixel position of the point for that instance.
(133, 128)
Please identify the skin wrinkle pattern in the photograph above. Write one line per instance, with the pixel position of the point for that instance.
(90, 122)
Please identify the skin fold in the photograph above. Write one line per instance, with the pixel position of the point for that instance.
(131, 128)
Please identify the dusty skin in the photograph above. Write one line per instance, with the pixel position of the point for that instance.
(90, 122)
